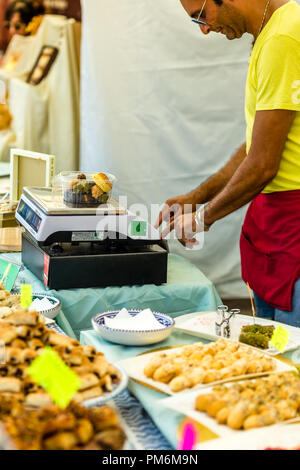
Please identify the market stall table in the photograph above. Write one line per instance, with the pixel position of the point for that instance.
(167, 421)
(186, 291)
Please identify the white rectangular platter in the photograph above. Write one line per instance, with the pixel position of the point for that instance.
(202, 325)
(185, 403)
(281, 437)
(134, 367)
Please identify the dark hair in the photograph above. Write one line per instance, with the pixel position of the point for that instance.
(38, 7)
(25, 8)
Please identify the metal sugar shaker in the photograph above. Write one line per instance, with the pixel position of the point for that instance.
(232, 322)
(221, 310)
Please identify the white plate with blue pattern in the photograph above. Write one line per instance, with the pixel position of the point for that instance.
(133, 337)
(52, 311)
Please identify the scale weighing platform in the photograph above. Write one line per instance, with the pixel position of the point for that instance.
(69, 247)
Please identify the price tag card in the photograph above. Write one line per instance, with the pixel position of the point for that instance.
(280, 338)
(8, 273)
(50, 371)
(26, 296)
(188, 438)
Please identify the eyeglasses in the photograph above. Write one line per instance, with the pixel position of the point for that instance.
(198, 21)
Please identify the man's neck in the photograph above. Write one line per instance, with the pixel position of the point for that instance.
(257, 21)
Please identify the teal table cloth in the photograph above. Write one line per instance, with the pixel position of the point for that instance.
(187, 290)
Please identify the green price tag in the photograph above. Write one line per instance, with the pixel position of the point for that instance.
(50, 371)
(26, 296)
(8, 274)
(139, 228)
(280, 338)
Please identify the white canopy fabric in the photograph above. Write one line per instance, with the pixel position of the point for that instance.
(162, 108)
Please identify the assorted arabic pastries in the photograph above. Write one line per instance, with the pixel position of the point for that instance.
(50, 428)
(253, 403)
(27, 414)
(24, 335)
(206, 363)
(86, 189)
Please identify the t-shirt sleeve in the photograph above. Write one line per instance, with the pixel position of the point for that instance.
(278, 75)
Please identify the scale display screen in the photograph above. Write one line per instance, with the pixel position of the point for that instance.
(29, 216)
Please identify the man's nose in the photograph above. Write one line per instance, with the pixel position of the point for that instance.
(205, 29)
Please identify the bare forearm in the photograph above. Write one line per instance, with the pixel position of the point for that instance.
(260, 166)
(216, 183)
(247, 182)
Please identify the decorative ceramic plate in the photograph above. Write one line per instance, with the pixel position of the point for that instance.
(133, 337)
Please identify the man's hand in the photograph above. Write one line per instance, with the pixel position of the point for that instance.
(173, 208)
(185, 228)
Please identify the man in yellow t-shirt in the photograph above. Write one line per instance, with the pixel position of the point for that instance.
(266, 169)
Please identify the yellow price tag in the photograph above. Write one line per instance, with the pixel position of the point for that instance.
(50, 371)
(26, 295)
(280, 338)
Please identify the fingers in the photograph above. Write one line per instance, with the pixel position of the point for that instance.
(186, 241)
(190, 245)
(170, 210)
(168, 228)
(183, 226)
(162, 215)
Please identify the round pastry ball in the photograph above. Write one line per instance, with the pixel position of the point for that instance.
(102, 181)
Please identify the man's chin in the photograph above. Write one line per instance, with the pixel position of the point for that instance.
(230, 34)
(234, 35)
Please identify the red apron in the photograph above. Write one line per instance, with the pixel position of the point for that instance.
(270, 247)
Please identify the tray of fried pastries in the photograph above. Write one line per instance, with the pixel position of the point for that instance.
(196, 365)
(239, 407)
(24, 334)
(50, 428)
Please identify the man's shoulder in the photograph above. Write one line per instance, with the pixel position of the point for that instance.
(287, 24)
(280, 51)
(282, 39)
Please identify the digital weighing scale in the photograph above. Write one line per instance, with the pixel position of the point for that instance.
(88, 247)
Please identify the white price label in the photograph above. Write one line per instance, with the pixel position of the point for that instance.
(88, 236)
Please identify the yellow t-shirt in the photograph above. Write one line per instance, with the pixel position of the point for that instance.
(274, 83)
